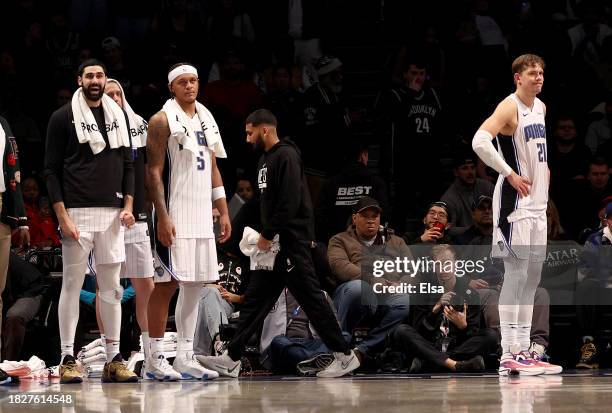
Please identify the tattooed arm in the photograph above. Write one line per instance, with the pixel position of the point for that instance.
(157, 143)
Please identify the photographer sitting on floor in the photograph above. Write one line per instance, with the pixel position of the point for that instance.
(447, 334)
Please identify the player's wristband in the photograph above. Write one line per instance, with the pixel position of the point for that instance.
(218, 193)
(23, 227)
(483, 146)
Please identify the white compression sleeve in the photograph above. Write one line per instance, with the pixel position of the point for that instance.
(483, 146)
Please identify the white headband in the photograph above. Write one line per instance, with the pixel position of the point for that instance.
(181, 70)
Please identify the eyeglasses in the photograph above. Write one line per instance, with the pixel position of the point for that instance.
(437, 214)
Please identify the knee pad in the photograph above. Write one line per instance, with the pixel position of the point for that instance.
(113, 296)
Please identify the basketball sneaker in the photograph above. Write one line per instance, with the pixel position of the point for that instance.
(159, 369)
(222, 364)
(116, 371)
(69, 371)
(588, 356)
(189, 368)
(537, 353)
(518, 363)
(343, 364)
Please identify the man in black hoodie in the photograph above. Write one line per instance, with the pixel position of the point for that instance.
(342, 192)
(286, 211)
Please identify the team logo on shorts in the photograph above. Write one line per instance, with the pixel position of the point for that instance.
(159, 271)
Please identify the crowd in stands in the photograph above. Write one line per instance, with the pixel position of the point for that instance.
(397, 172)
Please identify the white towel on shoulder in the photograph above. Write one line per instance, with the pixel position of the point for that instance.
(260, 260)
(138, 126)
(87, 128)
(181, 130)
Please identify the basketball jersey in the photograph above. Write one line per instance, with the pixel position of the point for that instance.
(525, 152)
(188, 186)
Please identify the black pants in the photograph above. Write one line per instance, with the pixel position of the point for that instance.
(293, 268)
(405, 338)
(593, 300)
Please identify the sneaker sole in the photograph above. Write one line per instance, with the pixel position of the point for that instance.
(187, 376)
(587, 366)
(549, 371)
(151, 376)
(321, 362)
(130, 380)
(525, 372)
(74, 380)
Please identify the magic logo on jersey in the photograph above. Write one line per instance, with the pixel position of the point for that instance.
(262, 178)
(534, 131)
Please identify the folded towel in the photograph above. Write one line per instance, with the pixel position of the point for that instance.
(90, 353)
(260, 260)
(97, 342)
(182, 131)
(93, 359)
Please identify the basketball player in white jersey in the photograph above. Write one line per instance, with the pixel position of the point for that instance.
(519, 209)
(138, 264)
(183, 182)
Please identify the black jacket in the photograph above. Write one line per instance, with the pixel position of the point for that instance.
(428, 324)
(286, 208)
(24, 280)
(76, 176)
(13, 209)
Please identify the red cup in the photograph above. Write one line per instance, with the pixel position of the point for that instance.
(439, 226)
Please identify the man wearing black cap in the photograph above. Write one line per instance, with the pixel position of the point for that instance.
(461, 194)
(436, 223)
(356, 297)
(481, 231)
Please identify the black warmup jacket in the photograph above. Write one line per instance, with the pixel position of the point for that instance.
(286, 208)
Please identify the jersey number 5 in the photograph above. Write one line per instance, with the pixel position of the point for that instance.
(201, 161)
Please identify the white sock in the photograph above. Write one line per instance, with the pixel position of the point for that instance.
(67, 349)
(184, 347)
(523, 335)
(112, 349)
(146, 344)
(157, 347)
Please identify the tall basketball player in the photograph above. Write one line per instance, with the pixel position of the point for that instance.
(519, 209)
(90, 179)
(183, 182)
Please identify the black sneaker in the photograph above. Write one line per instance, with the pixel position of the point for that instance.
(314, 365)
(4, 378)
(588, 356)
(473, 365)
(417, 366)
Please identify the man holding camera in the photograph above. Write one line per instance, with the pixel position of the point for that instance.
(355, 299)
(445, 331)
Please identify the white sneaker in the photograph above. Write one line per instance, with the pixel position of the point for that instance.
(159, 369)
(342, 364)
(222, 364)
(190, 368)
